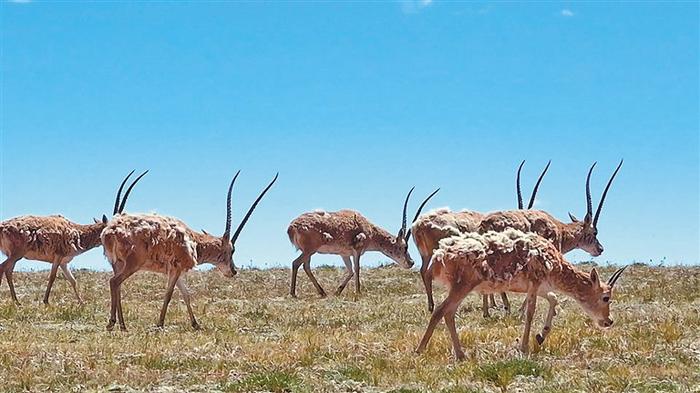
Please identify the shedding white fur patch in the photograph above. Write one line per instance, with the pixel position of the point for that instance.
(475, 247)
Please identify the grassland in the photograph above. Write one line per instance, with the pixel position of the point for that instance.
(256, 338)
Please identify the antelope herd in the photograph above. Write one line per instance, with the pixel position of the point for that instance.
(467, 251)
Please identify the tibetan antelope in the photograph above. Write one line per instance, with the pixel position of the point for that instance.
(564, 236)
(349, 234)
(512, 261)
(436, 225)
(156, 243)
(52, 239)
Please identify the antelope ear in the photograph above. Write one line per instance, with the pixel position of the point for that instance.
(104, 219)
(595, 279)
(573, 219)
(96, 220)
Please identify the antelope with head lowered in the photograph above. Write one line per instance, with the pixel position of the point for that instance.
(349, 234)
(434, 226)
(156, 243)
(52, 239)
(564, 236)
(512, 261)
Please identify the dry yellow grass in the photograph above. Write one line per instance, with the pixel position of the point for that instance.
(256, 338)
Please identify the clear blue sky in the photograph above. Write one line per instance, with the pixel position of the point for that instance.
(353, 103)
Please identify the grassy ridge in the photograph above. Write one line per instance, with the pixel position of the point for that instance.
(256, 338)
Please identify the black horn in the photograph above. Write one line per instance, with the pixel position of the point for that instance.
(402, 231)
(589, 203)
(613, 279)
(128, 191)
(250, 211)
(517, 186)
(605, 193)
(537, 186)
(227, 231)
(119, 193)
(420, 208)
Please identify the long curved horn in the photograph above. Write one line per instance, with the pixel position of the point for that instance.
(613, 279)
(605, 193)
(537, 185)
(128, 191)
(589, 203)
(402, 231)
(227, 231)
(119, 193)
(517, 186)
(420, 208)
(250, 211)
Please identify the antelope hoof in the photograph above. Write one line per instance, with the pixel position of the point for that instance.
(46, 302)
(196, 326)
(460, 356)
(539, 338)
(110, 325)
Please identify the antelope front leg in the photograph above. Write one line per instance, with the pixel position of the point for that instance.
(186, 298)
(172, 281)
(427, 280)
(485, 306)
(69, 276)
(547, 328)
(52, 278)
(356, 267)
(506, 302)
(348, 275)
(529, 314)
(8, 267)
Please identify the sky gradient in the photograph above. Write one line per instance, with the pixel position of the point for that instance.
(354, 103)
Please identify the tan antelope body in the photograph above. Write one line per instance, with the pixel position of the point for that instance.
(53, 239)
(511, 261)
(348, 234)
(166, 245)
(439, 224)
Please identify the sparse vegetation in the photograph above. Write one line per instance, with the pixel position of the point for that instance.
(256, 338)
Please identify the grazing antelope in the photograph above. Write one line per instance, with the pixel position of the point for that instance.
(513, 261)
(434, 226)
(349, 234)
(565, 236)
(52, 239)
(156, 243)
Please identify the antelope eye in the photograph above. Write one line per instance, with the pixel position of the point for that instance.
(606, 299)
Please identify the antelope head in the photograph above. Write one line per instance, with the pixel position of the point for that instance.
(587, 230)
(596, 300)
(399, 246)
(223, 260)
